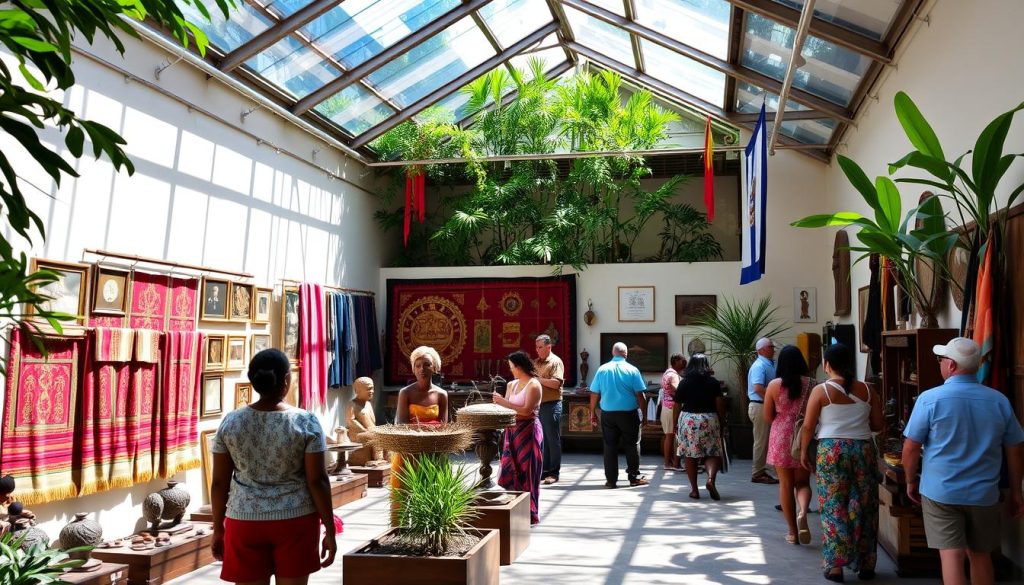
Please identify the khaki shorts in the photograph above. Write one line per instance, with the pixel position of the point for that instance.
(949, 526)
(668, 426)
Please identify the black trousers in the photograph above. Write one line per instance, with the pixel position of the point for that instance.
(621, 427)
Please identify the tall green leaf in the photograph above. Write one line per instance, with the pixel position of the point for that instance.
(917, 129)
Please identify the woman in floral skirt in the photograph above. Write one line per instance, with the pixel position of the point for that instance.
(699, 409)
(845, 412)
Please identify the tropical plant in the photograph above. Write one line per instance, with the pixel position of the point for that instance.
(38, 36)
(734, 328)
(434, 503)
(36, 566)
(684, 235)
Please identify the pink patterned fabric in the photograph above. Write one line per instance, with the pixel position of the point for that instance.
(105, 461)
(179, 402)
(181, 309)
(780, 438)
(112, 345)
(312, 346)
(149, 300)
(143, 423)
(106, 321)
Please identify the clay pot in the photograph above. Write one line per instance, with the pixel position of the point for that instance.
(81, 531)
(175, 501)
(33, 535)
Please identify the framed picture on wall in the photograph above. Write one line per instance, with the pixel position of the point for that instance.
(211, 401)
(215, 300)
(646, 351)
(262, 300)
(805, 304)
(688, 307)
(697, 343)
(215, 357)
(289, 335)
(862, 314)
(206, 439)
(110, 291)
(243, 395)
(69, 292)
(241, 302)
(292, 397)
(260, 341)
(636, 303)
(236, 352)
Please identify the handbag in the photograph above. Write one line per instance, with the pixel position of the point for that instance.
(794, 448)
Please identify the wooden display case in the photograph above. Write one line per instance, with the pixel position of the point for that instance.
(512, 520)
(106, 574)
(186, 553)
(908, 368)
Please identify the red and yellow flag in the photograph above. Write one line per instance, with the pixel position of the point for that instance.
(709, 173)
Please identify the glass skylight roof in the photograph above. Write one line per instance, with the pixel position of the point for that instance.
(358, 64)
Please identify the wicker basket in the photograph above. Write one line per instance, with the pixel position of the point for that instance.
(485, 416)
(415, 439)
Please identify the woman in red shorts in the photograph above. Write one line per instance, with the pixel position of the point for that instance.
(270, 491)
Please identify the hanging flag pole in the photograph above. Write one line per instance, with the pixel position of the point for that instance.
(709, 172)
(755, 202)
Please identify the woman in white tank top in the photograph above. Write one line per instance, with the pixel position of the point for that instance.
(845, 413)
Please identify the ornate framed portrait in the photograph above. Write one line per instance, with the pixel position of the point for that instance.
(260, 341)
(69, 292)
(697, 343)
(243, 394)
(215, 356)
(805, 304)
(206, 439)
(636, 303)
(110, 291)
(688, 307)
(211, 400)
(292, 397)
(241, 302)
(289, 341)
(237, 345)
(647, 351)
(862, 315)
(215, 301)
(261, 303)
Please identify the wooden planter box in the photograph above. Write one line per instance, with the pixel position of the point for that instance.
(480, 566)
(512, 520)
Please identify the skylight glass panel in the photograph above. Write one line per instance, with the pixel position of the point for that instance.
(355, 109)
(432, 64)
(356, 30)
(511, 20)
(600, 36)
(809, 131)
(293, 67)
(831, 72)
(227, 35)
(615, 6)
(869, 18)
(548, 51)
(686, 74)
(286, 7)
(455, 104)
(702, 24)
(748, 100)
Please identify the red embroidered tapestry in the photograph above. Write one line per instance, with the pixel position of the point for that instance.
(181, 309)
(105, 461)
(158, 302)
(39, 418)
(149, 301)
(179, 402)
(474, 323)
(143, 422)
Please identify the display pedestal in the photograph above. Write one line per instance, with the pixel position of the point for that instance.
(107, 574)
(347, 489)
(376, 477)
(512, 520)
(203, 514)
(186, 553)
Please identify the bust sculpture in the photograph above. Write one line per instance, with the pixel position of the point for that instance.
(360, 420)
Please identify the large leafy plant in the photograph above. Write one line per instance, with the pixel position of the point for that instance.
(38, 35)
(36, 566)
(435, 503)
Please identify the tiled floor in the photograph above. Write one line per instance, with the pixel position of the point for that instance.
(645, 535)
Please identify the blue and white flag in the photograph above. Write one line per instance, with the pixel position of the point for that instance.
(755, 200)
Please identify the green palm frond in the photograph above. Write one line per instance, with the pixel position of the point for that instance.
(735, 327)
(434, 502)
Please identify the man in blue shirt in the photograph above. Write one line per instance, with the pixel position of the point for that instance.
(762, 371)
(963, 426)
(620, 388)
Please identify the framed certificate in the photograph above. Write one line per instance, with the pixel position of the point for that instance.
(636, 303)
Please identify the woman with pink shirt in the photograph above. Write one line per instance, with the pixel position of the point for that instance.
(522, 456)
(669, 382)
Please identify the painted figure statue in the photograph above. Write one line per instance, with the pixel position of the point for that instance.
(360, 420)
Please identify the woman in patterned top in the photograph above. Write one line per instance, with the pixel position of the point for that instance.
(270, 491)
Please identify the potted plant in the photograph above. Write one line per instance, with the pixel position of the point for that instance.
(35, 566)
(433, 543)
(733, 330)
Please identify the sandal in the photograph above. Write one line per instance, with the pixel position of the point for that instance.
(791, 539)
(638, 481)
(834, 577)
(805, 532)
(710, 485)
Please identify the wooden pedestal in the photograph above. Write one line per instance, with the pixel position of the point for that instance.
(107, 574)
(347, 489)
(201, 516)
(901, 534)
(512, 520)
(154, 566)
(375, 476)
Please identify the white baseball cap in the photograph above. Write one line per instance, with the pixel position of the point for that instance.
(763, 343)
(961, 350)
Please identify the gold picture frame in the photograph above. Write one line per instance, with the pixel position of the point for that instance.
(111, 291)
(288, 335)
(69, 293)
(243, 394)
(259, 342)
(206, 439)
(211, 398)
(215, 353)
(636, 303)
(263, 302)
(236, 348)
(862, 315)
(214, 303)
(241, 302)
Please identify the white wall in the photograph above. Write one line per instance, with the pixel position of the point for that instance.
(962, 69)
(203, 193)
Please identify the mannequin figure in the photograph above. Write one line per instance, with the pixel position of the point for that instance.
(359, 420)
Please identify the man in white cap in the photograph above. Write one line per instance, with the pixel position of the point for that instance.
(963, 426)
(762, 371)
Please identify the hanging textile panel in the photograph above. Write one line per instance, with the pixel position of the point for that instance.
(181, 304)
(39, 418)
(475, 323)
(178, 415)
(105, 461)
(163, 302)
(312, 346)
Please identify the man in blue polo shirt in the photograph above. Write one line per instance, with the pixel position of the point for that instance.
(963, 427)
(761, 372)
(621, 389)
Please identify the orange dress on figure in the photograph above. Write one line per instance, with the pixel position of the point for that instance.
(418, 414)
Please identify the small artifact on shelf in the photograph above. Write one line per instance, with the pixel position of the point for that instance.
(82, 531)
(25, 527)
(167, 504)
(360, 420)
